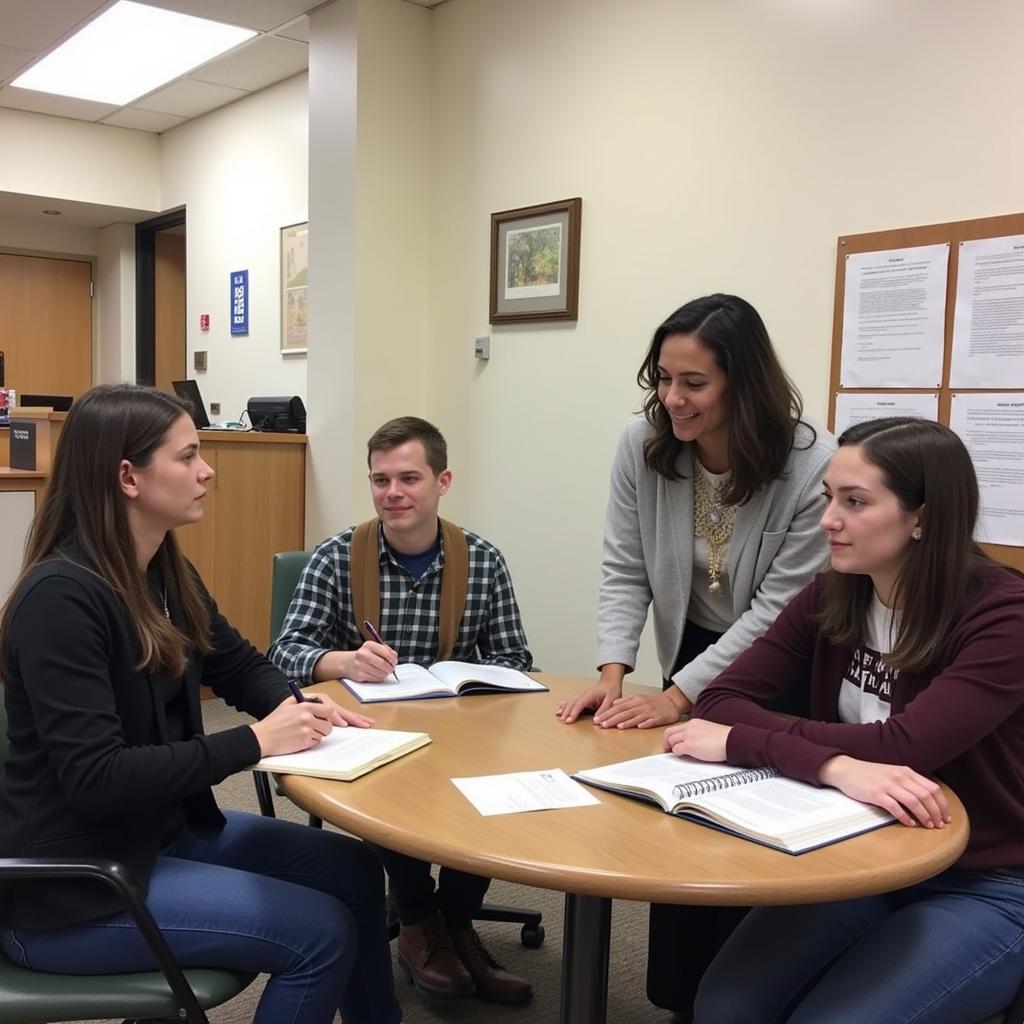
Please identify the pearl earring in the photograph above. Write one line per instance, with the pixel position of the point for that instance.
(916, 534)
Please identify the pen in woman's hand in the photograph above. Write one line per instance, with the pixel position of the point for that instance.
(299, 696)
(372, 630)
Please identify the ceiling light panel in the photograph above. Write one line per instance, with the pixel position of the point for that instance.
(128, 51)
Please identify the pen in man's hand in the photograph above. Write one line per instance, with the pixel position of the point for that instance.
(372, 630)
(299, 696)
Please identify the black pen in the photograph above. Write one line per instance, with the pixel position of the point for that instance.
(372, 630)
(299, 696)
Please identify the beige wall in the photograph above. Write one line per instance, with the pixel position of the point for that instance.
(392, 223)
(89, 163)
(241, 173)
(717, 146)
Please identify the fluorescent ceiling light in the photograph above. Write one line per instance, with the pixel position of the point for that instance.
(128, 51)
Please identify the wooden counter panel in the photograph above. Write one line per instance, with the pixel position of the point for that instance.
(255, 507)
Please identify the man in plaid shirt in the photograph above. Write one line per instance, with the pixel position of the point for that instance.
(408, 458)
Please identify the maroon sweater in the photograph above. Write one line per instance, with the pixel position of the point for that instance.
(962, 723)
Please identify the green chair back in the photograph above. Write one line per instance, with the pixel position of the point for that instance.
(287, 569)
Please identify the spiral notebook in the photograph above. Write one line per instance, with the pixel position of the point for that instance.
(754, 803)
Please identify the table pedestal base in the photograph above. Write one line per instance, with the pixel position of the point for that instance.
(586, 939)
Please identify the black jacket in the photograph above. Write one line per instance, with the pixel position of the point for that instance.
(90, 772)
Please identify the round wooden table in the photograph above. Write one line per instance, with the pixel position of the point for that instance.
(623, 849)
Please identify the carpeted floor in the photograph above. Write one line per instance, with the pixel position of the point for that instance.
(627, 1003)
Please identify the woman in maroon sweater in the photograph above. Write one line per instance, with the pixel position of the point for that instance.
(912, 646)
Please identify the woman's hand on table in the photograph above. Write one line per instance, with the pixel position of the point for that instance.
(641, 711)
(910, 797)
(595, 698)
(699, 739)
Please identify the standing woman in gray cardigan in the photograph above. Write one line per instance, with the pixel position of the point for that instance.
(713, 512)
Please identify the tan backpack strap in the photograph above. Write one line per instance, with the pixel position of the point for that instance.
(364, 575)
(454, 587)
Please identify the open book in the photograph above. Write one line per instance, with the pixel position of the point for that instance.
(443, 679)
(345, 753)
(753, 803)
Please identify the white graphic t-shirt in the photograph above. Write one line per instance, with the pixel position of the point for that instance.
(866, 691)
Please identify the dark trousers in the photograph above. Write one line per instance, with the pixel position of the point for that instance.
(411, 886)
(682, 941)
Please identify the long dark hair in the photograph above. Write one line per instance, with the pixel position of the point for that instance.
(927, 467)
(764, 404)
(83, 505)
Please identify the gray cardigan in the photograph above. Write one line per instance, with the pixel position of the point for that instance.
(776, 547)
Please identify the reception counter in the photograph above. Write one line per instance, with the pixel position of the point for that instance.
(22, 489)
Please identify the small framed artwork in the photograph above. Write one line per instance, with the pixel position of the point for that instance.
(295, 288)
(535, 263)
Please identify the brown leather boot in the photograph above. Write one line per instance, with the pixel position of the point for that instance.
(429, 960)
(493, 982)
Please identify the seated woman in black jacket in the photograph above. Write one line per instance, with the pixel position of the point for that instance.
(103, 644)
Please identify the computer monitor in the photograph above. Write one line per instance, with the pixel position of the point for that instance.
(188, 391)
(58, 403)
(282, 413)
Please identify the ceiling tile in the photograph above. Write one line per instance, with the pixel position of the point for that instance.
(35, 24)
(143, 120)
(12, 60)
(59, 106)
(261, 63)
(298, 29)
(187, 98)
(263, 15)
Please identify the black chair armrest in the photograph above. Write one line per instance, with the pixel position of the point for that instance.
(116, 876)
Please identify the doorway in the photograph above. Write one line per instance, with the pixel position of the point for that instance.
(161, 341)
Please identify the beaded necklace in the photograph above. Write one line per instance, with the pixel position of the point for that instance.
(713, 522)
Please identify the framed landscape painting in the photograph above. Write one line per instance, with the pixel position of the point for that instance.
(535, 263)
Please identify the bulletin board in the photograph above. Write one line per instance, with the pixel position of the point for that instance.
(953, 233)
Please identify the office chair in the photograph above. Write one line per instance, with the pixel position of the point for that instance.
(287, 569)
(35, 997)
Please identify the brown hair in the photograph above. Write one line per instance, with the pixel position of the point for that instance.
(84, 506)
(764, 404)
(411, 428)
(927, 467)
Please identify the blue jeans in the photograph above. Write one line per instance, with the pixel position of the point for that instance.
(945, 951)
(268, 896)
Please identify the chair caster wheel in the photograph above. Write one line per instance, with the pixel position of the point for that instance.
(532, 938)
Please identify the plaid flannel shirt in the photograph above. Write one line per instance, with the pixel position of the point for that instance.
(321, 616)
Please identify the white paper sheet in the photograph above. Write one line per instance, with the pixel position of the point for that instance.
(992, 427)
(893, 318)
(988, 321)
(515, 792)
(851, 409)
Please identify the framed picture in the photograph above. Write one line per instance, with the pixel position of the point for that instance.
(535, 263)
(295, 288)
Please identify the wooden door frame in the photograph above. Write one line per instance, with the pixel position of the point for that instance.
(145, 291)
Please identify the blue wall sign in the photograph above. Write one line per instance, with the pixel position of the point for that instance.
(240, 302)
